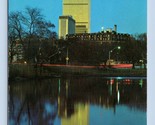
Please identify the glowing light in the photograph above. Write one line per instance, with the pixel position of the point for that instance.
(59, 82)
(141, 83)
(119, 77)
(118, 47)
(118, 97)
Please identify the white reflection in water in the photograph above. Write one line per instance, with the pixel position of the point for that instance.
(141, 82)
(59, 85)
(118, 96)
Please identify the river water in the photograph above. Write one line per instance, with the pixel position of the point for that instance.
(78, 101)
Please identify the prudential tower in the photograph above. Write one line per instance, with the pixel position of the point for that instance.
(80, 11)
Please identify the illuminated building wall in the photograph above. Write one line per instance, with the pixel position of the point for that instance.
(80, 10)
(66, 26)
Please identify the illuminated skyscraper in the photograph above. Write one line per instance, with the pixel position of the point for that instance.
(80, 10)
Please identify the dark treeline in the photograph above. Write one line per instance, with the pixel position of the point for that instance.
(40, 44)
(94, 53)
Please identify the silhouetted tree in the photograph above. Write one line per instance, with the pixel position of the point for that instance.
(134, 50)
(16, 26)
(30, 26)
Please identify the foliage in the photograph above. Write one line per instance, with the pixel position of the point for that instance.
(134, 50)
(95, 53)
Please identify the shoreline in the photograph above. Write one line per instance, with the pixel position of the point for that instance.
(25, 71)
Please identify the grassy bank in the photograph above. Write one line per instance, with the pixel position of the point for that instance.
(96, 72)
(23, 71)
(32, 71)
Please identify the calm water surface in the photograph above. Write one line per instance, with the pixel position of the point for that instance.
(78, 101)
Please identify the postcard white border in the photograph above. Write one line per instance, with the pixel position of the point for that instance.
(151, 63)
(3, 62)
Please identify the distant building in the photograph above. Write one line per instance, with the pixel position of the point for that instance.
(108, 35)
(66, 26)
(80, 10)
(18, 53)
(109, 30)
(100, 37)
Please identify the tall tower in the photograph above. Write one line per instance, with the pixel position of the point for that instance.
(80, 10)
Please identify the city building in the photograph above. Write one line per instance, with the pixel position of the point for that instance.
(66, 26)
(108, 35)
(80, 10)
(16, 51)
(100, 37)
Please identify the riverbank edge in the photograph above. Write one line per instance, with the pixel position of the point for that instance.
(25, 71)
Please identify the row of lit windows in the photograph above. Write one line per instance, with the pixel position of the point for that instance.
(100, 37)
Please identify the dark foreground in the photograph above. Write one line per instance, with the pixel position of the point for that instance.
(33, 71)
(78, 101)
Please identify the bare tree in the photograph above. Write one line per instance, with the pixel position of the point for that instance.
(15, 32)
(35, 24)
(30, 26)
(36, 29)
(12, 44)
(15, 25)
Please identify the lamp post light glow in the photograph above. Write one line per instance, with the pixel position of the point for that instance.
(118, 47)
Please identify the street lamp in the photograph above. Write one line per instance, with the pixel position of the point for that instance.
(117, 47)
(67, 58)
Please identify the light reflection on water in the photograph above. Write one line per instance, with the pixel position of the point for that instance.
(78, 101)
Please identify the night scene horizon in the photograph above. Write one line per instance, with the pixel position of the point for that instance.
(129, 15)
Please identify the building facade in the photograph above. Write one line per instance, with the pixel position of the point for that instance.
(66, 26)
(108, 35)
(100, 37)
(80, 10)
